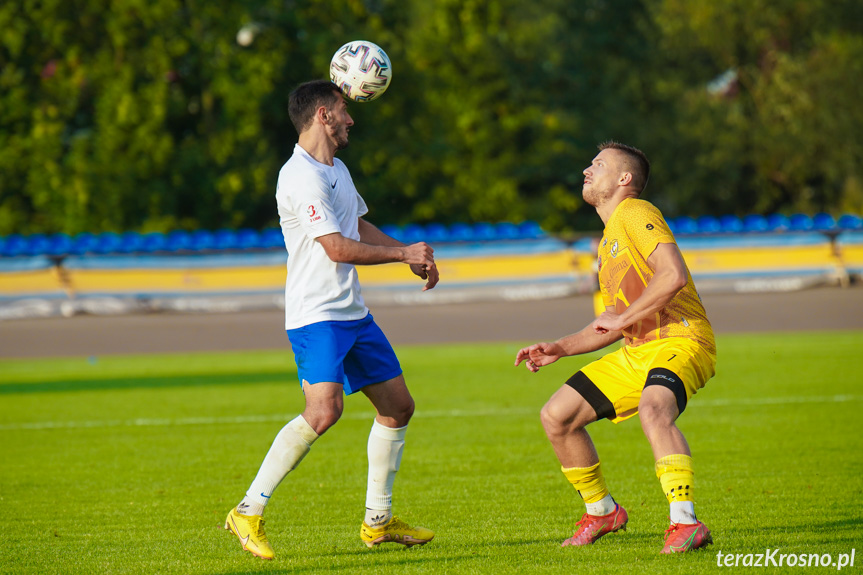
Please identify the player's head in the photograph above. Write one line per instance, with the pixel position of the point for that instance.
(630, 160)
(319, 97)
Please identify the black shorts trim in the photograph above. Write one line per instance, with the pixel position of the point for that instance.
(597, 400)
(669, 379)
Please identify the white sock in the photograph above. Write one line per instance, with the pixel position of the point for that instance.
(385, 456)
(683, 512)
(290, 446)
(602, 507)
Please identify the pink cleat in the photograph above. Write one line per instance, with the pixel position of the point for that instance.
(592, 527)
(682, 537)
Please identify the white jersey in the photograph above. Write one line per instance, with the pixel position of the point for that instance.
(314, 200)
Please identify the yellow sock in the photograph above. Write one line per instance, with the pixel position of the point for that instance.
(677, 478)
(588, 481)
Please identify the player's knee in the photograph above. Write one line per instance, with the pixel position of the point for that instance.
(556, 421)
(321, 418)
(654, 416)
(406, 412)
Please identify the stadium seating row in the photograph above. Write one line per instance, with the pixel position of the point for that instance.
(246, 239)
(756, 223)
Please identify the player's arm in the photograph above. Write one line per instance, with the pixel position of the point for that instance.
(669, 277)
(584, 341)
(371, 234)
(345, 250)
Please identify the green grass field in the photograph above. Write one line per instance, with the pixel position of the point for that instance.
(130, 464)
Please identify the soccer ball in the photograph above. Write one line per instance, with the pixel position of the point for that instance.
(361, 70)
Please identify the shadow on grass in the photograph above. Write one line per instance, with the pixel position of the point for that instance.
(152, 382)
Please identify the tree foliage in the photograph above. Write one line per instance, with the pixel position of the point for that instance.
(172, 113)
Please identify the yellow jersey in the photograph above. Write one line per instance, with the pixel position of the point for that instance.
(633, 231)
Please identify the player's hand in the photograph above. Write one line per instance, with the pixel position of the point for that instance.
(420, 254)
(539, 355)
(427, 273)
(608, 321)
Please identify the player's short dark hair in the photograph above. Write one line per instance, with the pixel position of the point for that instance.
(635, 162)
(308, 97)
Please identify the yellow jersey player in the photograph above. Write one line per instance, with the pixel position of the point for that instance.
(668, 354)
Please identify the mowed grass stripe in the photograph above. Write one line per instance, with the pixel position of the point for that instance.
(239, 420)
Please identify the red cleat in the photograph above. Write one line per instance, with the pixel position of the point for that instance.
(682, 537)
(592, 527)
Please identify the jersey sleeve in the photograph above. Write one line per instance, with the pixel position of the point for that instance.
(647, 229)
(310, 200)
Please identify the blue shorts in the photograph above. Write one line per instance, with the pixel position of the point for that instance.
(354, 353)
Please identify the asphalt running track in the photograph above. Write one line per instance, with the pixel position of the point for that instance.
(814, 309)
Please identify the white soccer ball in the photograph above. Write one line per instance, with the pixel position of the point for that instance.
(361, 70)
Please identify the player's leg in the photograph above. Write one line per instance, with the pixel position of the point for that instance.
(669, 385)
(564, 418)
(394, 406)
(324, 403)
(372, 367)
(319, 351)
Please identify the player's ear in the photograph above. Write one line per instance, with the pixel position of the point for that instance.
(625, 179)
(323, 115)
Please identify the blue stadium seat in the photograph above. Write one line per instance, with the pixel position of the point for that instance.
(37, 245)
(461, 232)
(131, 242)
(755, 223)
(225, 239)
(59, 244)
(731, 224)
(272, 238)
(777, 223)
(154, 242)
(800, 223)
(201, 240)
(107, 243)
(506, 231)
(14, 245)
(850, 222)
(84, 243)
(178, 240)
(708, 225)
(393, 231)
(248, 239)
(685, 225)
(437, 233)
(530, 230)
(484, 232)
(413, 233)
(671, 225)
(823, 222)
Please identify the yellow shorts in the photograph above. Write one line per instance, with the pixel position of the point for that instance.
(612, 385)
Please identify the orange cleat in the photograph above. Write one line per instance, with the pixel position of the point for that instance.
(682, 537)
(592, 527)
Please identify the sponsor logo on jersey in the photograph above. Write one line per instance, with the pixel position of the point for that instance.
(649, 226)
(614, 248)
(314, 215)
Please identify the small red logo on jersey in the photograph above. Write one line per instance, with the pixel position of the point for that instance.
(311, 211)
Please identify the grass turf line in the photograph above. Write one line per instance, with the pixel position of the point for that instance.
(164, 445)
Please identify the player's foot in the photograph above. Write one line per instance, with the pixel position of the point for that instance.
(681, 537)
(250, 530)
(396, 531)
(592, 527)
